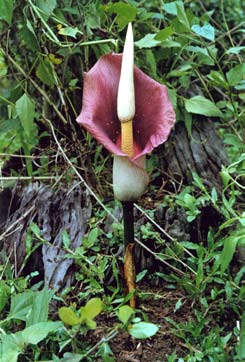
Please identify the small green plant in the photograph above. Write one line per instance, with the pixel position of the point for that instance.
(135, 327)
(31, 308)
(84, 318)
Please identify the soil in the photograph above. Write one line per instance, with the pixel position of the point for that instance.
(156, 308)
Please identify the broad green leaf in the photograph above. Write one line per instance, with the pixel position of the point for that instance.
(205, 56)
(242, 219)
(37, 332)
(9, 350)
(69, 31)
(181, 70)
(164, 33)
(26, 111)
(45, 72)
(93, 308)
(217, 79)
(189, 245)
(21, 305)
(201, 105)
(29, 38)
(206, 31)
(188, 123)
(236, 74)
(93, 235)
(72, 357)
(104, 350)
(147, 42)
(143, 330)
(125, 313)
(125, 13)
(68, 316)
(3, 66)
(40, 307)
(181, 15)
(235, 50)
(4, 294)
(90, 323)
(47, 6)
(170, 44)
(6, 10)
(150, 62)
(171, 8)
(173, 97)
(228, 251)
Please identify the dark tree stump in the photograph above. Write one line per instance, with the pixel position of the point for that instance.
(203, 153)
(53, 212)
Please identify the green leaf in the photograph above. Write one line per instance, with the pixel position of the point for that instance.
(105, 351)
(206, 31)
(68, 316)
(143, 330)
(37, 332)
(90, 323)
(26, 111)
(242, 219)
(170, 44)
(217, 79)
(164, 33)
(47, 6)
(3, 66)
(6, 10)
(147, 42)
(69, 31)
(201, 105)
(45, 73)
(29, 37)
(235, 50)
(40, 307)
(72, 357)
(171, 8)
(141, 275)
(228, 251)
(9, 350)
(66, 239)
(4, 294)
(93, 308)
(235, 74)
(125, 13)
(204, 56)
(181, 15)
(214, 195)
(93, 235)
(21, 305)
(124, 313)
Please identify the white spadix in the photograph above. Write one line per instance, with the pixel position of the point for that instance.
(129, 177)
(125, 96)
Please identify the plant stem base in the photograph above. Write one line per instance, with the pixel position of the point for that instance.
(129, 272)
(129, 264)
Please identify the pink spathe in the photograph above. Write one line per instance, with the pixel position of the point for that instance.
(154, 113)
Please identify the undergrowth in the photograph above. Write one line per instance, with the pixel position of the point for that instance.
(195, 49)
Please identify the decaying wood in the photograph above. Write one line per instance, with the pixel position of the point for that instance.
(53, 212)
(202, 153)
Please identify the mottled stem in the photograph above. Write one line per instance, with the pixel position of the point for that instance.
(128, 222)
(129, 264)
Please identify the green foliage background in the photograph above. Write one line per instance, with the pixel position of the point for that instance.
(194, 48)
